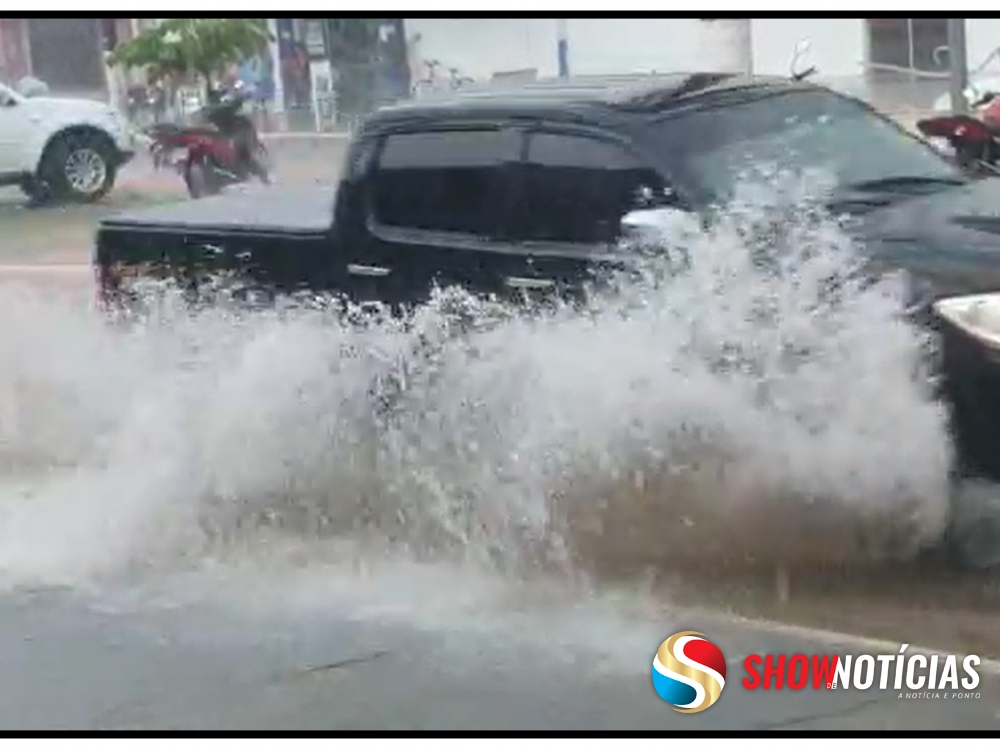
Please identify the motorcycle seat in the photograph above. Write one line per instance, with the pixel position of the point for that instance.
(969, 129)
(203, 130)
(173, 131)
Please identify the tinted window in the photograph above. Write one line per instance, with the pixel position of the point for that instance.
(578, 188)
(713, 148)
(443, 181)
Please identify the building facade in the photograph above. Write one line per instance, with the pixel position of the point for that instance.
(895, 62)
(65, 53)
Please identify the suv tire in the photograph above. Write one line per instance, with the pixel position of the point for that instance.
(78, 167)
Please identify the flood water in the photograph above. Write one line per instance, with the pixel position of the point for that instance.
(485, 487)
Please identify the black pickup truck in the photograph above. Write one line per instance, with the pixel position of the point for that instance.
(503, 190)
(508, 188)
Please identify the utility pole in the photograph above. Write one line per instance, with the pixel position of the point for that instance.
(959, 67)
(743, 33)
(562, 47)
(274, 50)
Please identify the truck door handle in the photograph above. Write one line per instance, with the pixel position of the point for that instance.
(518, 282)
(212, 249)
(371, 271)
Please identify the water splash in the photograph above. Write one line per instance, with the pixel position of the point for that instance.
(748, 407)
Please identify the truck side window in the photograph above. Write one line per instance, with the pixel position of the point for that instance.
(443, 180)
(578, 188)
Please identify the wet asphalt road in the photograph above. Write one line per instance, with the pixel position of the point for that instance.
(69, 666)
(64, 233)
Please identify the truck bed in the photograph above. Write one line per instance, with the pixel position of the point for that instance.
(257, 210)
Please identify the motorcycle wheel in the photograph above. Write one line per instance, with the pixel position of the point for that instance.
(199, 180)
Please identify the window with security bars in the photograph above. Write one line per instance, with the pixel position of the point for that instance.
(908, 62)
(910, 43)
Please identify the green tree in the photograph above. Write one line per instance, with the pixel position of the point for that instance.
(178, 48)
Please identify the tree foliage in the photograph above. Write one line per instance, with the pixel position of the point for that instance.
(179, 47)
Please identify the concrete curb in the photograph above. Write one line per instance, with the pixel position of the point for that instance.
(305, 136)
(144, 140)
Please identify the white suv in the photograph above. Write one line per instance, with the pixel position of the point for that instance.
(64, 149)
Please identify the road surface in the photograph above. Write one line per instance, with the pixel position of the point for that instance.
(71, 666)
(64, 233)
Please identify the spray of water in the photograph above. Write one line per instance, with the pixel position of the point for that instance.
(761, 404)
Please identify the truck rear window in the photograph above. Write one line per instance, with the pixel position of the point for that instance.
(442, 180)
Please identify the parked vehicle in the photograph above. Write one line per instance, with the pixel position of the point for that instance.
(523, 191)
(973, 144)
(61, 148)
(973, 140)
(214, 162)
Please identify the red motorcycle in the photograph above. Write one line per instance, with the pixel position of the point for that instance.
(229, 152)
(215, 161)
(974, 140)
(166, 141)
(975, 145)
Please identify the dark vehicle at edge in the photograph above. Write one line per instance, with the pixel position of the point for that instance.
(522, 190)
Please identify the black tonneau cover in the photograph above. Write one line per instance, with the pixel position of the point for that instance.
(258, 209)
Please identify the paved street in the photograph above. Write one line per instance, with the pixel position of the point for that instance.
(72, 666)
(64, 234)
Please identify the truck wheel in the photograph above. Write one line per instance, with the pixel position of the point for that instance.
(975, 525)
(78, 167)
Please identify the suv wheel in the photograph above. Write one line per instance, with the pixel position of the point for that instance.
(79, 167)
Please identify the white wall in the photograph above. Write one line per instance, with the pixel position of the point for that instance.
(481, 46)
(632, 45)
(838, 45)
(982, 36)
